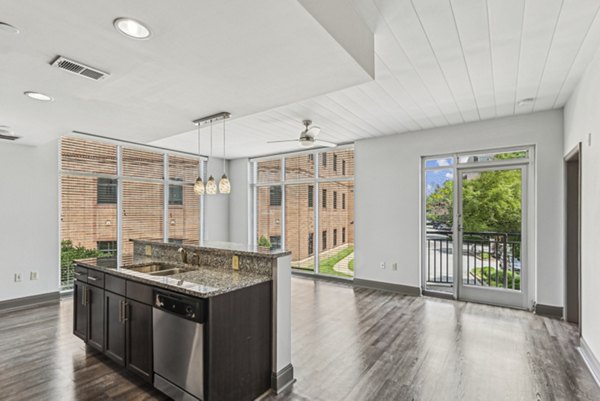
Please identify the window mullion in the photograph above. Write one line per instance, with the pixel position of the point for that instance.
(317, 207)
(119, 206)
(166, 197)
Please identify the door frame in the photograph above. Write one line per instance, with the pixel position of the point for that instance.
(530, 258)
(493, 295)
(569, 158)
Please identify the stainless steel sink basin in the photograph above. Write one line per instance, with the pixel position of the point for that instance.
(159, 269)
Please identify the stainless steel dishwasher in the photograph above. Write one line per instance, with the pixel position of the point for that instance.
(178, 328)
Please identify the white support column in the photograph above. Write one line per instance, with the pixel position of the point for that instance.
(119, 206)
(165, 197)
(282, 375)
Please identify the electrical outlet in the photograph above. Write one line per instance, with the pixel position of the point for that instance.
(235, 262)
(33, 276)
(18, 277)
(395, 266)
(382, 265)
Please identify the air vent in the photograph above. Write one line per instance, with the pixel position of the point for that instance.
(78, 68)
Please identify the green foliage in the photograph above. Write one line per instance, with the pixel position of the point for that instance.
(264, 242)
(491, 200)
(351, 265)
(326, 265)
(69, 253)
(487, 274)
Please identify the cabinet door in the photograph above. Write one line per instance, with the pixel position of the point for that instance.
(115, 327)
(139, 338)
(95, 301)
(80, 310)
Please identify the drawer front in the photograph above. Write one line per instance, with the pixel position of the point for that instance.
(95, 278)
(81, 273)
(139, 292)
(114, 284)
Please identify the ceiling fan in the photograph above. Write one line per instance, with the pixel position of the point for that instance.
(308, 137)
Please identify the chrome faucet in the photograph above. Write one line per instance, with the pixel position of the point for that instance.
(183, 255)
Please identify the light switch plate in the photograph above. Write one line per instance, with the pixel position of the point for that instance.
(18, 277)
(33, 276)
(235, 262)
(148, 250)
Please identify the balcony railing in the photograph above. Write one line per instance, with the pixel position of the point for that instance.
(489, 259)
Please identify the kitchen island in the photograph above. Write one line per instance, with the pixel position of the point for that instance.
(207, 322)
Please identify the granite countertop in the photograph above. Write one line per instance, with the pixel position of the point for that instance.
(224, 247)
(202, 282)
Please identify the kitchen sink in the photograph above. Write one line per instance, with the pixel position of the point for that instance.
(159, 269)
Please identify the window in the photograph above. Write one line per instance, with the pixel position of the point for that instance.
(343, 167)
(275, 241)
(335, 162)
(343, 235)
(107, 247)
(275, 195)
(324, 240)
(335, 237)
(106, 191)
(311, 195)
(324, 159)
(311, 243)
(344, 201)
(311, 158)
(324, 199)
(176, 241)
(334, 199)
(175, 194)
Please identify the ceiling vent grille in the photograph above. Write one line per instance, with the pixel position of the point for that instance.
(78, 68)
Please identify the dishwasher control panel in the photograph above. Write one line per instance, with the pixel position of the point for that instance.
(180, 305)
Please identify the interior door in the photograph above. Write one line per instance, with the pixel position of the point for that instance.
(492, 235)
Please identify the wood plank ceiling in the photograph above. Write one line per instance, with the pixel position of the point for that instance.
(437, 63)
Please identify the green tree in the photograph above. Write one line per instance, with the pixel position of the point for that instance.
(439, 204)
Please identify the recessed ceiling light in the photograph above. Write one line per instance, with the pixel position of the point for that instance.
(132, 28)
(8, 28)
(526, 101)
(38, 96)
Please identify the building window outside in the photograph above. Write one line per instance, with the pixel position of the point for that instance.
(324, 199)
(275, 195)
(107, 247)
(324, 159)
(343, 234)
(335, 162)
(335, 237)
(175, 195)
(311, 243)
(311, 158)
(311, 195)
(343, 167)
(335, 199)
(344, 201)
(275, 241)
(106, 191)
(176, 241)
(324, 240)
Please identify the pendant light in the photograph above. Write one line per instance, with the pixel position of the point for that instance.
(224, 184)
(199, 184)
(211, 184)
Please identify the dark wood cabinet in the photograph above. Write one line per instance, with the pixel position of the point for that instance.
(114, 319)
(80, 310)
(88, 314)
(139, 338)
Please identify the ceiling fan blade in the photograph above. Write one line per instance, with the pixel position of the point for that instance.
(313, 131)
(287, 140)
(325, 143)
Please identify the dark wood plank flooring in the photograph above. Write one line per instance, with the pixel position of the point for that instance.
(348, 344)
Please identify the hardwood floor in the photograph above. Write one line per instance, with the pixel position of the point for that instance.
(348, 344)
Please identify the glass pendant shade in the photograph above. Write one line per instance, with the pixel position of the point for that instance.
(224, 185)
(199, 186)
(211, 186)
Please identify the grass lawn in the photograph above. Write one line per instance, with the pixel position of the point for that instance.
(326, 265)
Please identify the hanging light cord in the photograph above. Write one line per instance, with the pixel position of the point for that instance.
(224, 171)
(211, 138)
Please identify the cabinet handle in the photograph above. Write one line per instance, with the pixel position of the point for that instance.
(125, 311)
(83, 297)
(92, 278)
(120, 311)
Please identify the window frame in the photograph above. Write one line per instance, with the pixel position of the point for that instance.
(107, 183)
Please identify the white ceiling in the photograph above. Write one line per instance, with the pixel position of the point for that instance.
(439, 62)
(204, 56)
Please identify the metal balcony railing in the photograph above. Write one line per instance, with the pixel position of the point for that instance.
(491, 259)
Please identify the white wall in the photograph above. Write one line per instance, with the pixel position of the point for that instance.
(216, 212)
(387, 195)
(239, 201)
(582, 117)
(28, 219)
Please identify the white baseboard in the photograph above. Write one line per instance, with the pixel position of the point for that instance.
(590, 360)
